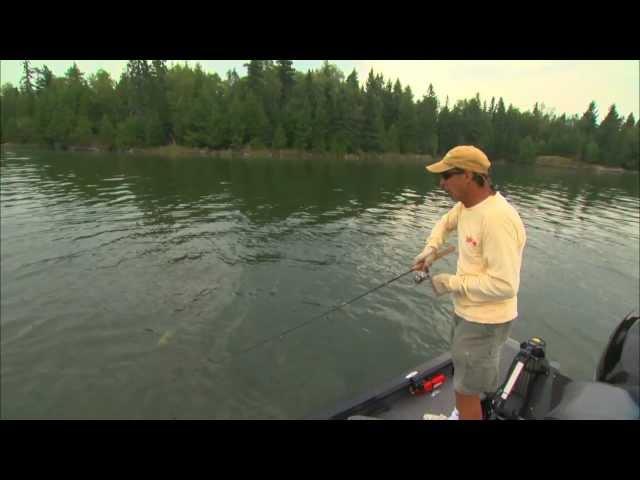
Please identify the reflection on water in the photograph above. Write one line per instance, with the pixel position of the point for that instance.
(125, 280)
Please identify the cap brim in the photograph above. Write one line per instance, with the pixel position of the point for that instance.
(438, 167)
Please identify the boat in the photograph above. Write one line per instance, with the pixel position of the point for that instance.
(532, 387)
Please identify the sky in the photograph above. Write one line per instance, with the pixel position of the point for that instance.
(563, 86)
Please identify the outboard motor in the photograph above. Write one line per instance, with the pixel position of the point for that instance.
(516, 398)
(614, 393)
(535, 390)
(620, 361)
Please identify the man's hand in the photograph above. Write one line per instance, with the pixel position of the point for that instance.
(424, 260)
(442, 283)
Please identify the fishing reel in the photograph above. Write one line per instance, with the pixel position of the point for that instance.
(420, 276)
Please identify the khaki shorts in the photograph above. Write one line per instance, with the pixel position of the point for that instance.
(475, 349)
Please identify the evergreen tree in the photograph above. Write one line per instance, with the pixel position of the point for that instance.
(512, 133)
(27, 78)
(407, 123)
(271, 92)
(300, 111)
(255, 121)
(255, 76)
(499, 123)
(232, 78)
(46, 103)
(302, 120)
(372, 134)
(353, 113)
(427, 118)
(320, 124)
(219, 125)
(103, 97)
(446, 135)
(373, 125)
(630, 147)
(589, 122)
(138, 74)
(608, 137)
(331, 116)
(27, 93)
(630, 122)
(44, 78)
(159, 102)
(475, 124)
(236, 122)
(76, 95)
(286, 75)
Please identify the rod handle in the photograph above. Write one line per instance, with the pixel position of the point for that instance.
(438, 255)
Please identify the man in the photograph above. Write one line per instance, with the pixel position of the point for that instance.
(491, 239)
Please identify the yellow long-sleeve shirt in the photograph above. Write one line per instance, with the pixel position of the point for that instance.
(491, 239)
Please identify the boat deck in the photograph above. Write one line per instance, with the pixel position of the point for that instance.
(394, 401)
(441, 400)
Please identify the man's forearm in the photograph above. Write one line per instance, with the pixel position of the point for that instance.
(483, 287)
(442, 230)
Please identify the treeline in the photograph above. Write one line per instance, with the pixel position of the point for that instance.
(275, 106)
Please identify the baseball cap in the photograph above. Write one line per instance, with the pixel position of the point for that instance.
(465, 157)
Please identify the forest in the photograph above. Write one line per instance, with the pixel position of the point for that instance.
(274, 106)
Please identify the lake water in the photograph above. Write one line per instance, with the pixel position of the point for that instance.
(130, 283)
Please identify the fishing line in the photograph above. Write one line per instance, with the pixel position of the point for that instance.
(296, 327)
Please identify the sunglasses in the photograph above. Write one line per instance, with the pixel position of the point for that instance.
(450, 173)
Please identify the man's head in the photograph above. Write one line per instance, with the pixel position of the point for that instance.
(464, 173)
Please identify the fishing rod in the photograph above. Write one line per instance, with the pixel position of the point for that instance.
(418, 279)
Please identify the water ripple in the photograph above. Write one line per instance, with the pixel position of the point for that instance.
(106, 258)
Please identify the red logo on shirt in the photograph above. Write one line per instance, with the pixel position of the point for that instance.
(472, 241)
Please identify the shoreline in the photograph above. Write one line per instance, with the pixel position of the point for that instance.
(177, 151)
(555, 161)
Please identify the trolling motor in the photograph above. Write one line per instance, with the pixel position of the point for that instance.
(530, 366)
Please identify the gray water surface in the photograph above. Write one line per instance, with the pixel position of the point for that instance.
(129, 283)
